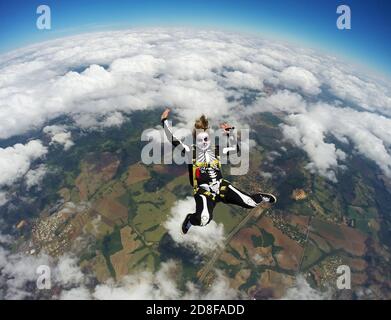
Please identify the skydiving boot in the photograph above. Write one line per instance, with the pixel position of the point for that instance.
(186, 224)
(264, 198)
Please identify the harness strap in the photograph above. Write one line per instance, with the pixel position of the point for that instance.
(195, 184)
(207, 193)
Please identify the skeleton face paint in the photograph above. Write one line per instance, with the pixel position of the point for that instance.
(203, 141)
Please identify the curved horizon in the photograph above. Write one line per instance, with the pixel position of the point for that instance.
(300, 22)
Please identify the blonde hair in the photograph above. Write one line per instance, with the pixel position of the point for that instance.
(201, 123)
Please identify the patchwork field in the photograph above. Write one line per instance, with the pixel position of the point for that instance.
(117, 207)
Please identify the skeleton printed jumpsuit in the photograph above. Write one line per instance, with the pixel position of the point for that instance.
(206, 178)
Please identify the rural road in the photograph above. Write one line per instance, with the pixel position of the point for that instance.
(205, 270)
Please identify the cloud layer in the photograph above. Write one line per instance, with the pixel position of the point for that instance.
(18, 277)
(97, 78)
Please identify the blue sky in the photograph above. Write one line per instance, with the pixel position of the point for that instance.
(310, 22)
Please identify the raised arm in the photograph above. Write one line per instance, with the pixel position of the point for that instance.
(232, 144)
(168, 131)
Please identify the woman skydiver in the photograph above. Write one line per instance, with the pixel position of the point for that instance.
(205, 175)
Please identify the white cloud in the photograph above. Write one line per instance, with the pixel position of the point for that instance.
(143, 64)
(266, 175)
(3, 198)
(303, 291)
(34, 177)
(78, 293)
(220, 290)
(202, 239)
(299, 78)
(238, 79)
(282, 101)
(63, 138)
(19, 274)
(5, 239)
(86, 121)
(163, 285)
(367, 132)
(113, 120)
(142, 285)
(367, 93)
(16, 271)
(68, 271)
(59, 135)
(15, 161)
(310, 137)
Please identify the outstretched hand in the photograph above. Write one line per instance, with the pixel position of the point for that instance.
(226, 127)
(165, 114)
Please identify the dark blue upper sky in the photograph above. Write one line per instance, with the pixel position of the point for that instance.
(310, 22)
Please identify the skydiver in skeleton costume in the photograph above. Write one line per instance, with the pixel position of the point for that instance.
(205, 174)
